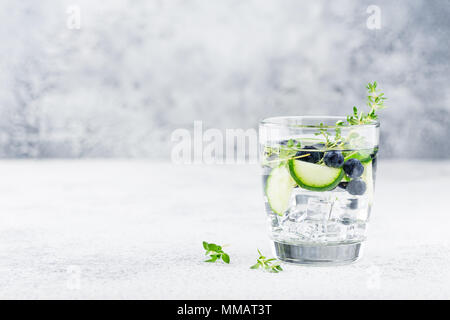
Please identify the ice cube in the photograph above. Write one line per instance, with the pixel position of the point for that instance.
(352, 203)
(348, 209)
(284, 218)
(320, 232)
(273, 220)
(306, 230)
(350, 231)
(298, 215)
(301, 199)
(318, 209)
(291, 221)
(347, 202)
(347, 219)
(360, 230)
(335, 231)
(297, 212)
(288, 226)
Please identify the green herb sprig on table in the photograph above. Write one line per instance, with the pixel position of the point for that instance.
(215, 252)
(267, 264)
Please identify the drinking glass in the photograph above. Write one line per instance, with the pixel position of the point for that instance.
(318, 182)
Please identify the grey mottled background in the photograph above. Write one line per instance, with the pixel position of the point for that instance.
(137, 70)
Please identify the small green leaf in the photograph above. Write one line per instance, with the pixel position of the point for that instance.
(205, 245)
(213, 259)
(212, 247)
(225, 258)
(290, 143)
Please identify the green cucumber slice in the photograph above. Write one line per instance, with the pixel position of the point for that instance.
(315, 177)
(279, 187)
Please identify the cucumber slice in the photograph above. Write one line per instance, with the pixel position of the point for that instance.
(279, 187)
(367, 177)
(315, 177)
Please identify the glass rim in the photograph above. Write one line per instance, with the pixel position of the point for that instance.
(278, 121)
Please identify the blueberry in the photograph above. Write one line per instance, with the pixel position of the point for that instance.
(312, 157)
(343, 185)
(356, 187)
(320, 146)
(353, 168)
(334, 159)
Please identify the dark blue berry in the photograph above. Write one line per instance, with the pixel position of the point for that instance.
(343, 185)
(334, 159)
(356, 187)
(353, 168)
(320, 146)
(312, 156)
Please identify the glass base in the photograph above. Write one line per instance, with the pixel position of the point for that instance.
(325, 254)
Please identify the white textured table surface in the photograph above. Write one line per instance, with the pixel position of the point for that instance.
(133, 229)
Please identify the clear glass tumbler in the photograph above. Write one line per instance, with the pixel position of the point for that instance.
(318, 182)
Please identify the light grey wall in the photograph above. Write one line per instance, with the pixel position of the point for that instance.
(137, 70)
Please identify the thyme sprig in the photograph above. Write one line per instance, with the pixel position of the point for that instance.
(215, 252)
(375, 101)
(269, 265)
